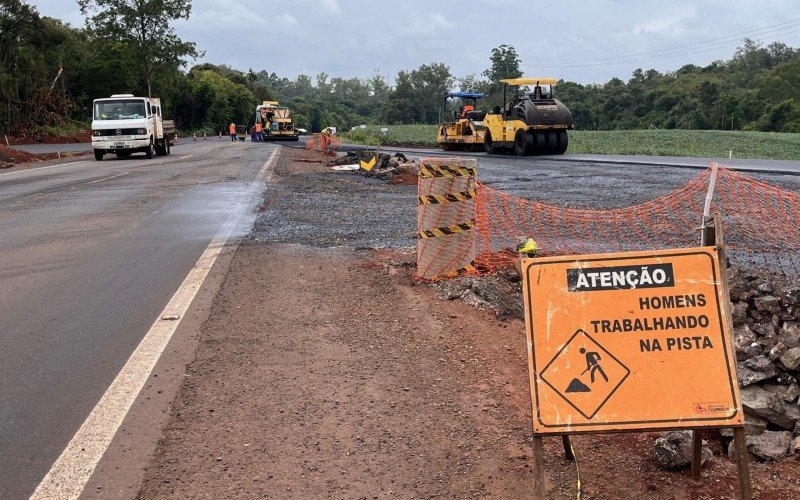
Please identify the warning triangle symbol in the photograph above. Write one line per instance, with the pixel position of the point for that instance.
(577, 386)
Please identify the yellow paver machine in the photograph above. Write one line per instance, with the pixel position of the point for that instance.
(276, 121)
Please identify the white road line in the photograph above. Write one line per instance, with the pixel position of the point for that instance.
(69, 474)
(35, 169)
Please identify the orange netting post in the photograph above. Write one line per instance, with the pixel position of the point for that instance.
(446, 217)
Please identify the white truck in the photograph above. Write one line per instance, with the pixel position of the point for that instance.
(123, 124)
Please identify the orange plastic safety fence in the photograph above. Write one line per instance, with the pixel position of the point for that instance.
(761, 224)
(324, 143)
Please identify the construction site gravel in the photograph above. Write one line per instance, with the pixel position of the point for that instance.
(324, 370)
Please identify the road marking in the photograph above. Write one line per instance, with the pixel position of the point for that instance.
(70, 473)
(108, 178)
(42, 168)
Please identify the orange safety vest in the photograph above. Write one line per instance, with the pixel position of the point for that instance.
(258, 127)
(232, 129)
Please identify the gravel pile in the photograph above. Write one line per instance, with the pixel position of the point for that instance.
(766, 320)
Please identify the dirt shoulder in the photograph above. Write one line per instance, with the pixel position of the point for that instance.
(10, 157)
(329, 373)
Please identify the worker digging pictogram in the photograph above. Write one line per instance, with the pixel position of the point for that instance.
(584, 374)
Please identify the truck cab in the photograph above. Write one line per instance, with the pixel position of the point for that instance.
(124, 124)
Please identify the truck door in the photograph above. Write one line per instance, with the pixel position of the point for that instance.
(159, 123)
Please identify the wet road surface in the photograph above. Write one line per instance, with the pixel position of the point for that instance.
(91, 253)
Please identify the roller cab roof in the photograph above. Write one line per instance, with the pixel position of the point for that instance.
(464, 95)
(529, 81)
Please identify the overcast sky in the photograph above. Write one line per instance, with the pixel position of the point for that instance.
(578, 40)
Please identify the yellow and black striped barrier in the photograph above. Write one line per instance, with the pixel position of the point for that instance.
(446, 217)
(431, 171)
(446, 198)
(446, 231)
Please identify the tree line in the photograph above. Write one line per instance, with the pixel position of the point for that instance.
(50, 72)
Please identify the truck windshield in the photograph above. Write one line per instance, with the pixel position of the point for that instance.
(122, 109)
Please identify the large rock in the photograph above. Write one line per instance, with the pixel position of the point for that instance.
(745, 341)
(759, 363)
(765, 329)
(739, 313)
(753, 426)
(787, 393)
(767, 287)
(748, 376)
(790, 334)
(769, 406)
(673, 450)
(791, 296)
(777, 351)
(771, 445)
(791, 358)
(768, 304)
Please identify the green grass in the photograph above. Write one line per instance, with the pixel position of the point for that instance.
(700, 143)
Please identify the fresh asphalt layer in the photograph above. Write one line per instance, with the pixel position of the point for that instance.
(91, 254)
(741, 164)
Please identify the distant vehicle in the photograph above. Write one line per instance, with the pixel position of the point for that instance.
(123, 124)
(529, 123)
(466, 130)
(276, 121)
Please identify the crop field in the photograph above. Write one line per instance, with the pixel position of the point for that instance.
(700, 143)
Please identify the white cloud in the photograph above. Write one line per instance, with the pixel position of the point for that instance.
(428, 26)
(287, 19)
(671, 26)
(332, 6)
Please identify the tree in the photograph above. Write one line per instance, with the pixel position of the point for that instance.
(145, 27)
(505, 64)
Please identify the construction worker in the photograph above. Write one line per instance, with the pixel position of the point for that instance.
(232, 131)
(259, 131)
(527, 248)
(466, 109)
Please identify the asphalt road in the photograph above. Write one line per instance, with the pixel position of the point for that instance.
(91, 253)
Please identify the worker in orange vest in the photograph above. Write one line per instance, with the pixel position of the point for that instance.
(259, 131)
(232, 131)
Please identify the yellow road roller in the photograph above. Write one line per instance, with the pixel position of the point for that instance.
(464, 132)
(530, 122)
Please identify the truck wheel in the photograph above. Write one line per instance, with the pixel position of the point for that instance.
(521, 143)
(552, 143)
(488, 144)
(446, 146)
(98, 155)
(563, 142)
(149, 152)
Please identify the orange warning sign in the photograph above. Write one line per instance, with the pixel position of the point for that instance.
(629, 341)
